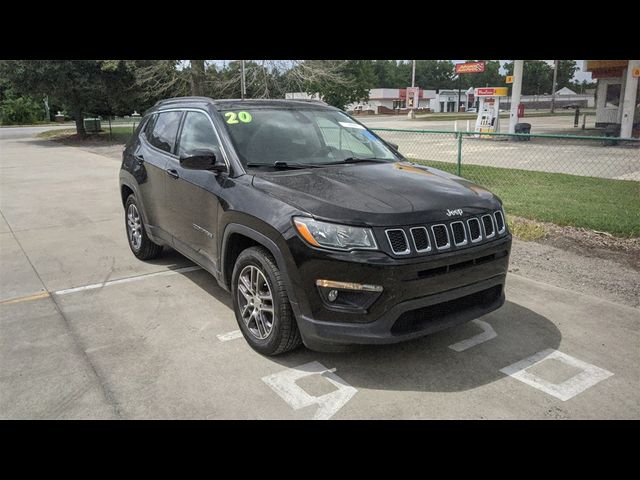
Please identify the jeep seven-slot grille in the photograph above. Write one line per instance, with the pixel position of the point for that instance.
(488, 226)
(474, 229)
(441, 236)
(398, 241)
(453, 234)
(420, 239)
(499, 221)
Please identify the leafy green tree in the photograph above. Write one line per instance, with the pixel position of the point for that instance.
(566, 71)
(491, 76)
(537, 77)
(340, 82)
(80, 86)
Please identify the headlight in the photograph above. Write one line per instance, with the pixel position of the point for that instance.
(332, 235)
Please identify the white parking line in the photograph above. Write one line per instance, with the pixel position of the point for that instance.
(487, 334)
(588, 377)
(284, 384)
(225, 337)
(126, 280)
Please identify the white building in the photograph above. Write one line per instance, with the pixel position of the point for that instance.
(617, 94)
(390, 100)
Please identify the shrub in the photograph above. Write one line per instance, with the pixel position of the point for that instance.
(21, 110)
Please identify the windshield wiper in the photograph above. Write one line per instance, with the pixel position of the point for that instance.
(280, 164)
(357, 160)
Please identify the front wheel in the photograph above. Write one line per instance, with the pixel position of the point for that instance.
(140, 244)
(261, 303)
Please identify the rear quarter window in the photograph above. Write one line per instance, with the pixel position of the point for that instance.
(165, 128)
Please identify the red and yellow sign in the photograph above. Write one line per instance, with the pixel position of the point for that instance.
(492, 92)
(470, 67)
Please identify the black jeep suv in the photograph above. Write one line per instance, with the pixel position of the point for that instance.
(322, 231)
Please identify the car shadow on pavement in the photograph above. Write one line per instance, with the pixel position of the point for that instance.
(427, 363)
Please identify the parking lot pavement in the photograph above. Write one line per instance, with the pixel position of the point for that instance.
(88, 331)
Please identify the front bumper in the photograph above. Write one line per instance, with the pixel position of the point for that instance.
(420, 296)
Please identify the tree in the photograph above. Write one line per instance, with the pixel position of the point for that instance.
(537, 77)
(340, 82)
(491, 76)
(80, 86)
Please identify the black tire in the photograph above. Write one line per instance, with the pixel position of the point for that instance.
(284, 335)
(146, 250)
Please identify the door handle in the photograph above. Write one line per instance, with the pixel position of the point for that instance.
(173, 173)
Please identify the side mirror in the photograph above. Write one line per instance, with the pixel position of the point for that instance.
(204, 159)
(394, 146)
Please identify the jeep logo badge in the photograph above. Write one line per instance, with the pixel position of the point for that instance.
(457, 211)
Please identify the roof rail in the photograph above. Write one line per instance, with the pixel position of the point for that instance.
(182, 99)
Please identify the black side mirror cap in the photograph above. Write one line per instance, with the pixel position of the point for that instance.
(204, 159)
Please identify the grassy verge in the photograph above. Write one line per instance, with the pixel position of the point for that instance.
(527, 230)
(119, 135)
(600, 204)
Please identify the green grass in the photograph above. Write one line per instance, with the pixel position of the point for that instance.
(594, 203)
(119, 135)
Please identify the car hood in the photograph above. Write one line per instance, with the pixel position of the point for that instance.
(376, 194)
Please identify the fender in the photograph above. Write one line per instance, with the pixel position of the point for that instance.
(128, 180)
(269, 245)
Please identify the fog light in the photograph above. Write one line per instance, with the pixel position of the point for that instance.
(348, 296)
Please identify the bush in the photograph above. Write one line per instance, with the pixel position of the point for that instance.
(21, 110)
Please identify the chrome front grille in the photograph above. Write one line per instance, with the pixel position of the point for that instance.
(445, 236)
(441, 236)
(398, 241)
(487, 223)
(420, 239)
(459, 234)
(474, 230)
(499, 221)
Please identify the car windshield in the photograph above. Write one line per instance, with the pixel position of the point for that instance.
(300, 138)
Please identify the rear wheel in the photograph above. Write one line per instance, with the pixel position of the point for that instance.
(261, 303)
(140, 244)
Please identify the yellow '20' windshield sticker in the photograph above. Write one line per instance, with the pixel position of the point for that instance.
(237, 117)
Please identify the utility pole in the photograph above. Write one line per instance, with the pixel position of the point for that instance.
(553, 88)
(515, 94)
(243, 85)
(413, 74)
(413, 84)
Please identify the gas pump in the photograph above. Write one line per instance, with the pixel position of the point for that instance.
(488, 119)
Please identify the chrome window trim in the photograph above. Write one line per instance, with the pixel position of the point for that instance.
(426, 232)
(479, 239)
(493, 234)
(448, 245)
(405, 252)
(215, 130)
(504, 223)
(465, 241)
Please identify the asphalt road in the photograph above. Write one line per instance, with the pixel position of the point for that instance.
(88, 331)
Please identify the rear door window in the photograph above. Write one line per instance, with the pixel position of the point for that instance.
(164, 131)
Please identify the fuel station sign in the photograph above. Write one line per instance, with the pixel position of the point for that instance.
(470, 67)
(492, 92)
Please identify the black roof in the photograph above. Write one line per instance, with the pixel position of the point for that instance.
(236, 102)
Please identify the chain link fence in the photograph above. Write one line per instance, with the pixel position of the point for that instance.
(584, 181)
